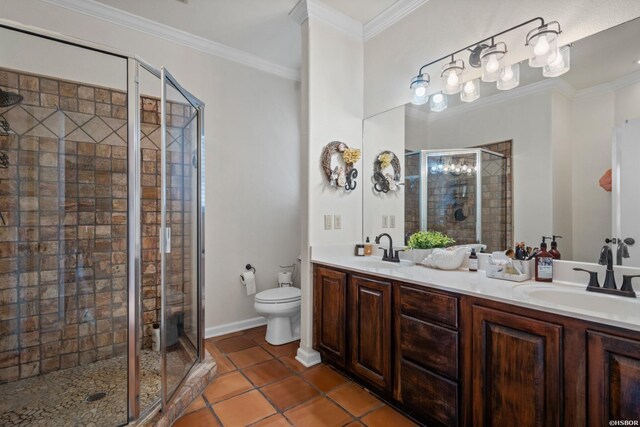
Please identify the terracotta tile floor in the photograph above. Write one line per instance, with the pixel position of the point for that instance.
(263, 385)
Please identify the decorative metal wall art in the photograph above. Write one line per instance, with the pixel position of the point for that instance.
(340, 176)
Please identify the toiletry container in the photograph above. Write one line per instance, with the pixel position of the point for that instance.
(368, 247)
(544, 263)
(555, 253)
(473, 261)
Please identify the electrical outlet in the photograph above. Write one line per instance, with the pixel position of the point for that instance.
(385, 221)
(328, 222)
(392, 221)
(337, 222)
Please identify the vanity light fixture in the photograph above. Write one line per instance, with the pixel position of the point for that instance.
(560, 64)
(509, 77)
(543, 44)
(492, 59)
(438, 102)
(470, 91)
(418, 88)
(451, 76)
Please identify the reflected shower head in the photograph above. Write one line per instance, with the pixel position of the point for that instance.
(7, 99)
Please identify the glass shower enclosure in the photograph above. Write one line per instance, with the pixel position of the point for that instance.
(101, 232)
(459, 192)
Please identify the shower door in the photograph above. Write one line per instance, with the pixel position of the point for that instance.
(180, 226)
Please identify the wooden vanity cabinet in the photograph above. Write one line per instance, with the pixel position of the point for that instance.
(613, 378)
(369, 322)
(516, 370)
(426, 350)
(330, 314)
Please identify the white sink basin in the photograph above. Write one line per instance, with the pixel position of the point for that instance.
(578, 298)
(377, 263)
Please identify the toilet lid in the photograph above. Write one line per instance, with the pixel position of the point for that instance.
(277, 295)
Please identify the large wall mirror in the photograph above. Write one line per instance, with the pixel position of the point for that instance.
(554, 156)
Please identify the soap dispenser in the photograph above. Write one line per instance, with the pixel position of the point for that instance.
(368, 247)
(544, 263)
(555, 253)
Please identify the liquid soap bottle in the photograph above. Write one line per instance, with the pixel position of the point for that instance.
(544, 263)
(368, 247)
(555, 253)
(473, 261)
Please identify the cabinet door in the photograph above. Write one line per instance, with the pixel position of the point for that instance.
(370, 330)
(516, 370)
(329, 306)
(613, 379)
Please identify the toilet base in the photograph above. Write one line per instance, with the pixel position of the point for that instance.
(282, 330)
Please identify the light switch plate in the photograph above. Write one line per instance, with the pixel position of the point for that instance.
(392, 221)
(328, 222)
(385, 221)
(337, 222)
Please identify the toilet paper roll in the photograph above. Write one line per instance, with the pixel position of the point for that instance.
(285, 277)
(249, 280)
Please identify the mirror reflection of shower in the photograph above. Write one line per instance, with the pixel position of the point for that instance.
(462, 193)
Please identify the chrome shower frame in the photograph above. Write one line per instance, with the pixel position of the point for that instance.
(134, 215)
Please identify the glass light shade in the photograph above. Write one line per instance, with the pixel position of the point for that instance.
(492, 60)
(438, 102)
(509, 77)
(452, 77)
(543, 45)
(470, 91)
(418, 89)
(560, 65)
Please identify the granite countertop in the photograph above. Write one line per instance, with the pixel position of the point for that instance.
(560, 297)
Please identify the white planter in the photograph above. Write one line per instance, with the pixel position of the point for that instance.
(415, 255)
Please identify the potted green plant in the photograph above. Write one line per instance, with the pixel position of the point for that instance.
(422, 243)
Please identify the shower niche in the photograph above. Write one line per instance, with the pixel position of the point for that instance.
(101, 217)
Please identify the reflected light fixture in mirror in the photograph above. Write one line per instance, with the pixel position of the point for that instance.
(438, 102)
(543, 44)
(492, 60)
(451, 76)
(509, 77)
(560, 64)
(418, 89)
(470, 91)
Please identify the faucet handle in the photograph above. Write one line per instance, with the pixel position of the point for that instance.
(626, 283)
(385, 254)
(593, 277)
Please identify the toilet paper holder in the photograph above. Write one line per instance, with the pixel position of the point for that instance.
(249, 267)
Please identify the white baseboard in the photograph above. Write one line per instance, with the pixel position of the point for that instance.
(228, 328)
(308, 356)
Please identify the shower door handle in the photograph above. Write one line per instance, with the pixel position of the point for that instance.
(167, 240)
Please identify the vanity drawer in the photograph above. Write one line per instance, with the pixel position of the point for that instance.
(429, 306)
(433, 397)
(429, 346)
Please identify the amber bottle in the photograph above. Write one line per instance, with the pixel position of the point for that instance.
(544, 264)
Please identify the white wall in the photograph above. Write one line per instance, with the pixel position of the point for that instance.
(394, 56)
(383, 132)
(332, 91)
(252, 140)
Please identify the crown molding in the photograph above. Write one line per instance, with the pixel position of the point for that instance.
(128, 20)
(316, 9)
(608, 87)
(390, 16)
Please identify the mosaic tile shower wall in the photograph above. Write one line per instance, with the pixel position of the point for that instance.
(448, 194)
(63, 230)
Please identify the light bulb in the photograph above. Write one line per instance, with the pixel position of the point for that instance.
(433, 169)
(437, 98)
(464, 167)
(469, 87)
(452, 79)
(421, 91)
(507, 74)
(542, 46)
(440, 166)
(492, 64)
(446, 170)
(558, 62)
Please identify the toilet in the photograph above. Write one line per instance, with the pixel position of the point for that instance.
(281, 307)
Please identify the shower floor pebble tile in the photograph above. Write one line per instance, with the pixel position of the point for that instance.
(263, 385)
(58, 398)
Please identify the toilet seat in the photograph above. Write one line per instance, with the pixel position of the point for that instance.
(278, 295)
